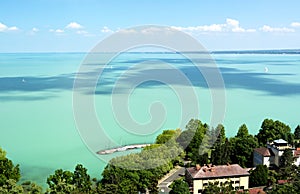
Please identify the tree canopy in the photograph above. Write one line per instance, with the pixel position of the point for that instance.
(259, 176)
(8, 171)
(271, 130)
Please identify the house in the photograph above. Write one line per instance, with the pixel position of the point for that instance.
(262, 156)
(200, 176)
(271, 154)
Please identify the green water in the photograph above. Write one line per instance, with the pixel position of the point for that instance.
(37, 124)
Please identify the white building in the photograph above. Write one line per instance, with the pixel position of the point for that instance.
(271, 154)
(199, 177)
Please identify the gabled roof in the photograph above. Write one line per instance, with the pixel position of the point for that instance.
(206, 172)
(280, 141)
(263, 151)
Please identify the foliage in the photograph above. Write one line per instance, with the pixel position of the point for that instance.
(196, 141)
(9, 174)
(287, 158)
(297, 132)
(242, 146)
(179, 187)
(68, 182)
(139, 172)
(271, 130)
(214, 188)
(32, 188)
(167, 135)
(259, 176)
(221, 150)
(11, 187)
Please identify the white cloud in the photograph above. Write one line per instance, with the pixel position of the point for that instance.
(58, 31)
(231, 25)
(4, 28)
(295, 24)
(74, 25)
(105, 29)
(82, 32)
(127, 31)
(35, 30)
(267, 28)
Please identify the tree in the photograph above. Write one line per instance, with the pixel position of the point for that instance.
(60, 182)
(167, 135)
(81, 179)
(179, 187)
(221, 150)
(7, 169)
(214, 188)
(259, 176)
(242, 146)
(287, 158)
(297, 132)
(195, 141)
(242, 132)
(271, 130)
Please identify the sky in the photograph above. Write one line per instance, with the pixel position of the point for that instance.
(78, 25)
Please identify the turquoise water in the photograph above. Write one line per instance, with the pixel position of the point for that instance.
(37, 124)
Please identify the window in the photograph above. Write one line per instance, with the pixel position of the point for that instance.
(199, 190)
(205, 184)
(236, 188)
(242, 187)
(237, 182)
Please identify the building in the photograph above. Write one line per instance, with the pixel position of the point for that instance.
(200, 176)
(263, 156)
(271, 154)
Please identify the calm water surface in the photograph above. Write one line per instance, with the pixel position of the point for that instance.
(36, 115)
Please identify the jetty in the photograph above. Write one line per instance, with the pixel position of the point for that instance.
(122, 148)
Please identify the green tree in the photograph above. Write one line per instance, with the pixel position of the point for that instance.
(167, 135)
(243, 131)
(11, 187)
(214, 188)
(81, 179)
(287, 158)
(242, 146)
(271, 130)
(60, 182)
(7, 169)
(179, 187)
(297, 132)
(195, 141)
(221, 150)
(259, 176)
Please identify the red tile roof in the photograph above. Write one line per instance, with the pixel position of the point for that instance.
(263, 151)
(217, 171)
(256, 191)
(281, 182)
(297, 152)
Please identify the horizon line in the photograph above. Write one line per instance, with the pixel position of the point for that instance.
(237, 51)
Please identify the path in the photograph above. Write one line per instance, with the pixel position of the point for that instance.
(169, 178)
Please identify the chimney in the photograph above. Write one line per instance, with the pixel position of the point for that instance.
(198, 167)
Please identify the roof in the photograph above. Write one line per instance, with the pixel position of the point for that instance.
(280, 141)
(297, 153)
(210, 171)
(256, 191)
(263, 151)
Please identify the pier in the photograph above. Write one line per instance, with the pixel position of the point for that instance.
(122, 148)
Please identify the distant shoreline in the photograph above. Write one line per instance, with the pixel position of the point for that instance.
(122, 148)
(237, 51)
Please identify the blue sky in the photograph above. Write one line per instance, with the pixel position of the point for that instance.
(78, 25)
